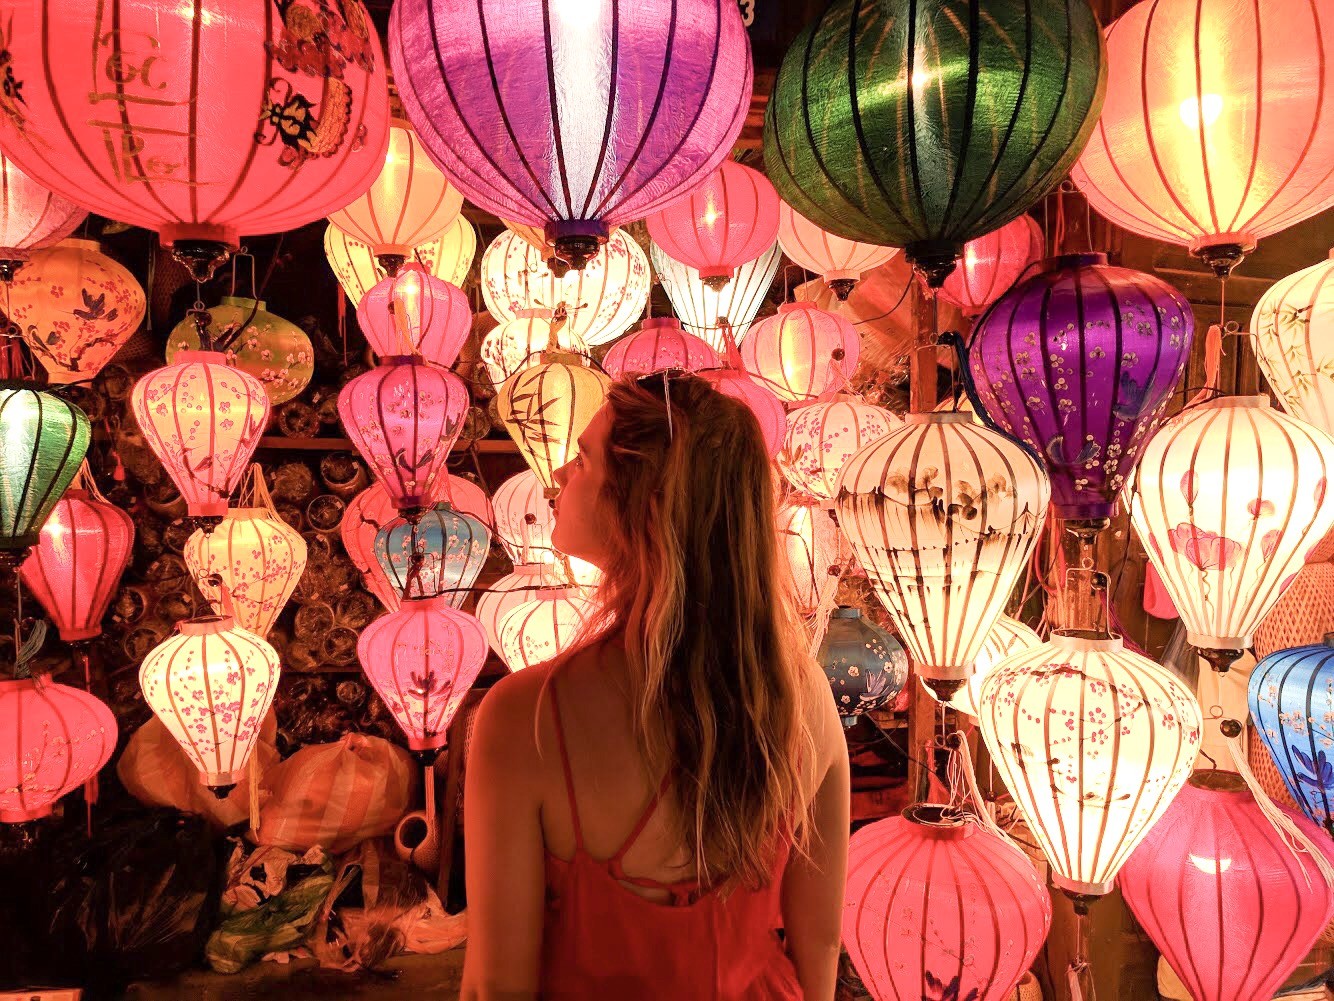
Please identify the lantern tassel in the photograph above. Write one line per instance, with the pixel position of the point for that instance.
(980, 810)
(1076, 973)
(1213, 360)
(828, 599)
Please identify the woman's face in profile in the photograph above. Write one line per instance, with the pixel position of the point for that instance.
(580, 519)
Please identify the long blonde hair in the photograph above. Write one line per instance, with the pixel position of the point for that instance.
(717, 656)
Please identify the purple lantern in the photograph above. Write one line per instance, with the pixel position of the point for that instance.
(1078, 361)
(576, 116)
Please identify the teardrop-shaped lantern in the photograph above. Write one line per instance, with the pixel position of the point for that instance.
(822, 437)
(991, 263)
(1228, 498)
(802, 352)
(275, 351)
(31, 217)
(508, 593)
(524, 519)
(544, 627)
(367, 513)
(659, 345)
(718, 317)
(1093, 741)
(448, 257)
(866, 666)
(545, 409)
(415, 313)
(943, 515)
(211, 683)
(45, 440)
(1078, 361)
(762, 401)
(466, 497)
(1007, 637)
(520, 343)
(840, 262)
(1292, 330)
(438, 554)
(808, 538)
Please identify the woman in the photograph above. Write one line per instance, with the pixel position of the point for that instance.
(643, 813)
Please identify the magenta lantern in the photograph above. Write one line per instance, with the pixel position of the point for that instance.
(367, 513)
(415, 313)
(768, 409)
(1226, 900)
(30, 217)
(992, 263)
(802, 352)
(573, 116)
(659, 345)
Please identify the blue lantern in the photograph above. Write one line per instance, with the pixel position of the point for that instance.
(440, 553)
(1291, 696)
(865, 665)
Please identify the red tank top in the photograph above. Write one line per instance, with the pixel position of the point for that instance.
(604, 942)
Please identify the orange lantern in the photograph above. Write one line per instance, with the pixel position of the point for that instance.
(367, 513)
(448, 257)
(545, 409)
(802, 352)
(839, 261)
(30, 217)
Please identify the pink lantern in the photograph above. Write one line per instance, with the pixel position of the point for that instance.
(203, 419)
(992, 263)
(802, 352)
(466, 497)
(808, 537)
(30, 217)
(56, 739)
(404, 417)
(422, 660)
(728, 220)
(1225, 898)
(839, 261)
(415, 313)
(524, 519)
(367, 513)
(822, 437)
(508, 593)
(659, 345)
(768, 409)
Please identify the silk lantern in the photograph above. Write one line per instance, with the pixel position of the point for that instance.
(76, 308)
(211, 684)
(44, 441)
(439, 554)
(943, 515)
(545, 409)
(422, 660)
(56, 739)
(138, 117)
(31, 217)
(1007, 637)
(466, 497)
(838, 261)
(659, 345)
(1189, 149)
(409, 203)
(802, 352)
(367, 513)
(1078, 361)
(415, 313)
(508, 593)
(992, 262)
(520, 343)
(403, 418)
(822, 437)
(1228, 498)
(760, 400)
(448, 257)
(275, 351)
(542, 628)
(1292, 331)
(1093, 742)
(936, 907)
(890, 125)
(866, 666)
(808, 538)
(720, 317)
(203, 418)
(729, 219)
(524, 519)
(644, 101)
(1228, 901)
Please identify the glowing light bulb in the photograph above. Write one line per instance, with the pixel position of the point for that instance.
(1212, 106)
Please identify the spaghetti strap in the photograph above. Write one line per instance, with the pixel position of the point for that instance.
(565, 766)
(638, 829)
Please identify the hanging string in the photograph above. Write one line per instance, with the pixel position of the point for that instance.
(252, 777)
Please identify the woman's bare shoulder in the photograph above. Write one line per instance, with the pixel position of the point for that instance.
(822, 718)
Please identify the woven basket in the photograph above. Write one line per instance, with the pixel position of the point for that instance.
(1323, 551)
(1303, 614)
(1028, 990)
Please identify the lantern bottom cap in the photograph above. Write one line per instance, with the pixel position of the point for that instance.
(206, 509)
(24, 816)
(1079, 887)
(433, 743)
(1202, 642)
(217, 779)
(80, 635)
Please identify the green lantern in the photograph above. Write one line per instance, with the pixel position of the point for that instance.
(275, 351)
(43, 441)
(925, 123)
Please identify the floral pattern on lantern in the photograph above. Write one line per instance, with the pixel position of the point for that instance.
(544, 627)
(415, 313)
(448, 257)
(822, 437)
(1007, 638)
(508, 593)
(45, 440)
(520, 343)
(840, 262)
(439, 554)
(275, 351)
(717, 316)
(991, 263)
(31, 217)
(1292, 330)
(524, 519)
(802, 352)
(866, 666)
(545, 409)
(808, 538)
(761, 401)
(659, 345)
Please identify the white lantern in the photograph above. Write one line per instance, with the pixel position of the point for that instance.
(808, 539)
(822, 437)
(1228, 498)
(1007, 638)
(514, 589)
(1293, 333)
(711, 314)
(1093, 742)
(518, 343)
(448, 257)
(839, 261)
(524, 519)
(802, 352)
(541, 629)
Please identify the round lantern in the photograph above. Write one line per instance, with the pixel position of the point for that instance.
(508, 593)
(645, 100)
(211, 684)
(466, 497)
(367, 513)
(275, 351)
(545, 409)
(808, 538)
(822, 437)
(937, 907)
(659, 345)
(1092, 741)
(1227, 499)
(203, 419)
(802, 352)
(1223, 895)
(991, 263)
(1292, 331)
(520, 343)
(872, 130)
(865, 665)
(1078, 361)
(448, 257)
(439, 554)
(56, 739)
(943, 515)
(415, 313)
(838, 261)
(76, 308)
(140, 119)
(729, 219)
(1007, 638)
(524, 519)
(422, 660)
(1192, 151)
(763, 403)
(31, 217)
(542, 628)
(717, 316)
(45, 442)
(599, 302)
(403, 418)
(409, 203)
(75, 568)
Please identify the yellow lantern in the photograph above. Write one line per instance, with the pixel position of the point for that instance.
(541, 629)
(449, 257)
(1007, 638)
(508, 593)
(1292, 330)
(520, 342)
(275, 351)
(808, 538)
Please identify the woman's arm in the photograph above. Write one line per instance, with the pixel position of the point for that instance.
(503, 840)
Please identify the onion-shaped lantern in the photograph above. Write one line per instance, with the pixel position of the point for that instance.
(76, 308)
(542, 628)
(943, 515)
(645, 101)
(840, 262)
(275, 351)
(1228, 498)
(56, 739)
(1007, 638)
(659, 345)
(140, 119)
(524, 519)
(763, 403)
(808, 538)
(211, 684)
(865, 665)
(403, 418)
(992, 262)
(367, 513)
(720, 317)
(1229, 903)
(422, 660)
(1093, 742)
(508, 593)
(438, 554)
(31, 217)
(545, 409)
(936, 907)
(1078, 361)
(801, 353)
(822, 437)
(1191, 151)
(872, 132)
(45, 440)
(1292, 331)
(729, 219)
(520, 343)
(415, 313)
(448, 257)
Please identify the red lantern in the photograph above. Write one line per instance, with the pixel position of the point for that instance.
(367, 513)
(992, 263)
(415, 313)
(30, 217)
(404, 417)
(763, 403)
(422, 660)
(802, 352)
(659, 345)
(728, 220)
(466, 497)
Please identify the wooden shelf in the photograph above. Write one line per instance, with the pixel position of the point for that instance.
(487, 446)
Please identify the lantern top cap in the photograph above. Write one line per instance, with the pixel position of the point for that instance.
(434, 603)
(17, 684)
(200, 357)
(799, 304)
(207, 625)
(939, 417)
(1251, 402)
(1214, 780)
(846, 612)
(535, 314)
(941, 821)
(78, 243)
(241, 300)
(1062, 262)
(530, 569)
(1081, 641)
(670, 322)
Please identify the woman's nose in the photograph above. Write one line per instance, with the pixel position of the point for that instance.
(561, 475)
